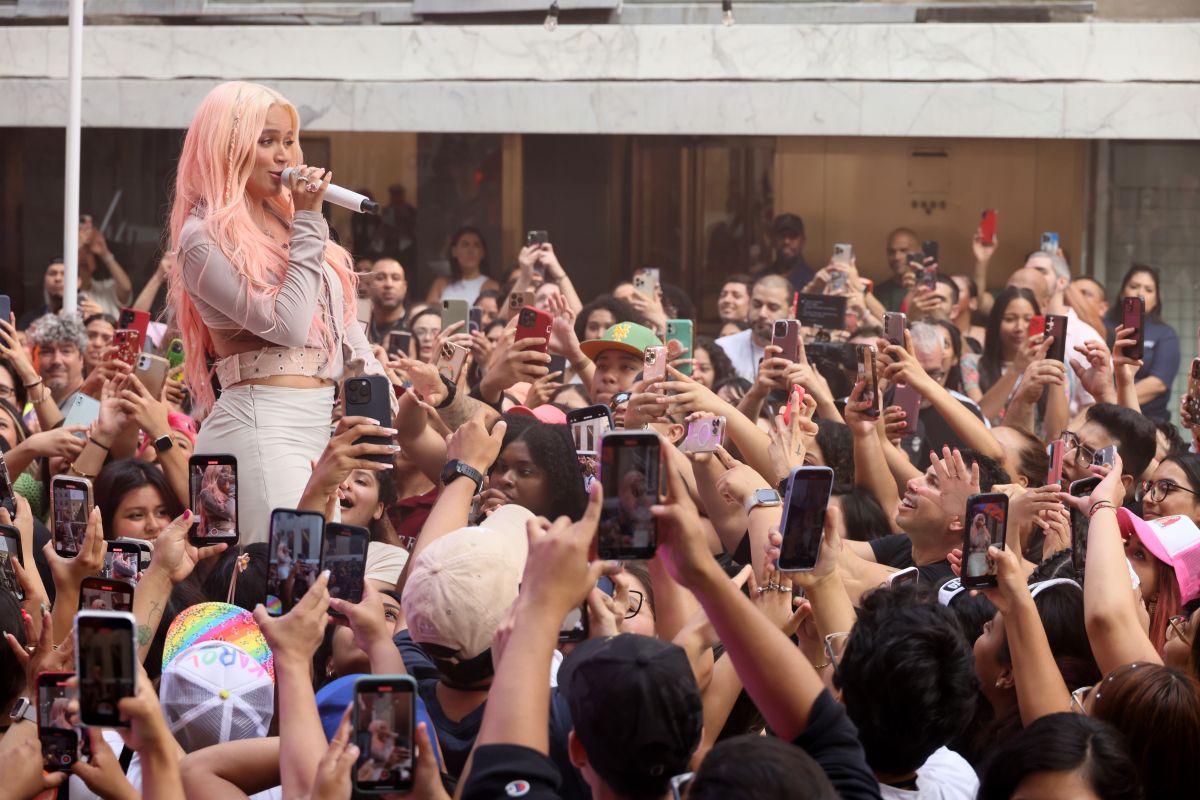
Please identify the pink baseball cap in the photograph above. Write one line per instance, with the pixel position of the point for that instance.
(551, 415)
(1174, 540)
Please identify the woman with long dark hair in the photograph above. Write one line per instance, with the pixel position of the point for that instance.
(135, 500)
(468, 269)
(265, 301)
(1007, 350)
(1160, 359)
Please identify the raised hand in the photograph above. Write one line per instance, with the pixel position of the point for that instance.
(558, 574)
(296, 635)
(174, 557)
(474, 445)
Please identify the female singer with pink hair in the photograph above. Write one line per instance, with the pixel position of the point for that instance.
(265, 301)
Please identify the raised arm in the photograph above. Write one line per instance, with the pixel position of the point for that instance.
(1109, 600)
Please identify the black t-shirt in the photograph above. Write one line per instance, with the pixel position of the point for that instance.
(895, 550)
(933, 433)
(505, 770)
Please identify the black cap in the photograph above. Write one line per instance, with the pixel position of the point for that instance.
(787, 225)
(636, 709)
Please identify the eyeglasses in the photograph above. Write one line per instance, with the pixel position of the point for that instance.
(1181, 626)
(835, 647)
(1158, 490)
(1084, 455)
(6, 392)
(635, 604)
(1079, 697)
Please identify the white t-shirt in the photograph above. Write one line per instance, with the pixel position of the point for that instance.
(743, 352)
(945, 775)
(104, 293)
(466, 289)
(80, 791)
(1078, 332)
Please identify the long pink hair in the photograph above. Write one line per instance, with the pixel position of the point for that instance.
(219, 154)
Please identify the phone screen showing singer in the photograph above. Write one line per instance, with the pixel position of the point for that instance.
(214, 491)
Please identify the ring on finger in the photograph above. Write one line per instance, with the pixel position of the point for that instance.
(762, 589)
(302, 179)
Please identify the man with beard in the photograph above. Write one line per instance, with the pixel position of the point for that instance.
(60, 342)
(770, 300)
(787, 237)
(387, 289)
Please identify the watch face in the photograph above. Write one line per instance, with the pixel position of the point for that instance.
(769, 496)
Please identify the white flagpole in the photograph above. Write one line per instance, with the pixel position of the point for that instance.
(71, 184)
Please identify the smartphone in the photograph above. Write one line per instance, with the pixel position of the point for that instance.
(345, 556)
(127, 344)
(574, 626)
(645, 283)
(456, 311)
(1055, 450)
(533, 323)
(8, 500)
(1079, 521)
(370, 396)
(986, 521)
(654, 367)
(450, 363)
(10, 550)
(927, 277)
(786, 336)
(384, 722)
(1191, 401)
(295, 553)
(135, 321)
(1106, 457)
(5, 307)
(398, 343)
(1056, 326)
(70, 507)
(842, 253)
(517, 300)
(909, 400)
(681, 330)
(106, 663)
(141, 548)
(930, 248)
(175, 353)
(867, 371)
(105, 594)
(987, 226)
(903, 577)
(588, 425)
(631, 474)
(537, 238)
(56, 732)
(475, 320)
(557, 363)
(151, 370)
(122, 560)
(84, 410)
(704, 435)
(213, 490)
(1134, 316)
(894, 325)
(803, 522)
(1037, 325)
(1049, 242)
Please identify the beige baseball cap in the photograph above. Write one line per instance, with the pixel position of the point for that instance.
(461, 585)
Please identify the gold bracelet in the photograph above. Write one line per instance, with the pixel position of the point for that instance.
(822, 666)
(79, 472)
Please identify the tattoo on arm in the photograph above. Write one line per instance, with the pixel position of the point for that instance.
(143, 635)
(146, 631)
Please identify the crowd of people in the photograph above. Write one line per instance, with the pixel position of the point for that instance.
(706, 671)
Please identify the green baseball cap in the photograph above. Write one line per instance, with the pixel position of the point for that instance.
(625, 336)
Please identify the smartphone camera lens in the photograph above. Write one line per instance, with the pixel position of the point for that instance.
(527, 318)
(781, 329)
(358, 391)
(447, 350)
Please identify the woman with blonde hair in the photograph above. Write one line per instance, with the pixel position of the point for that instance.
(265, 301)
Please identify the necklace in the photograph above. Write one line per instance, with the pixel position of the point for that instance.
(265, 228)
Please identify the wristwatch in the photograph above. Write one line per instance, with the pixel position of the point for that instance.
(455, 469)
(23, 710)
(164, 443)
(762, 497)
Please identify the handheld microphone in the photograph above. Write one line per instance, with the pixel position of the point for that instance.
(341, 197)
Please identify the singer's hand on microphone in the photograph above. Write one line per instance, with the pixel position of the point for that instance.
(302, 180)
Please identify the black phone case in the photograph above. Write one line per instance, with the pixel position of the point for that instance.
(378, 407)
(1056, 326)
(1136, 305)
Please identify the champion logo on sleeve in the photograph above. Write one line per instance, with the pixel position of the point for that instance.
(517, 789)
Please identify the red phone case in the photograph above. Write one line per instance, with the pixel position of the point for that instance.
(127, 344)
(136, 321)
(987, 226)
(1037, 326)
(533, 323)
